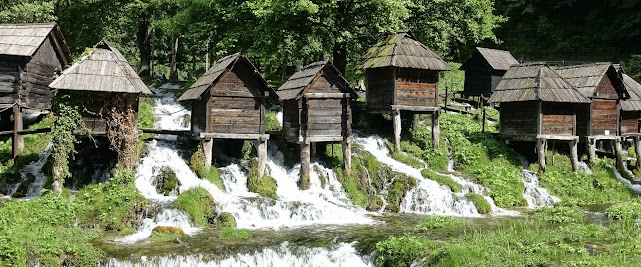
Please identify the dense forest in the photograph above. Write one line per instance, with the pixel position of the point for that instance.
(179, 37)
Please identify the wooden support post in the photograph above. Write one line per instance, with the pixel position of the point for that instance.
(592, 149)
(618, 151)
(540, 151)
(436, 130)
(208, 147)
(17, 140)
(303, 181)
(397, 130)
(574, 154)
(637, 149)
(347, 156)
(262, 157)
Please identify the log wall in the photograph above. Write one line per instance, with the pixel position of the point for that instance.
(380, 88)
(40, 72)
(519, 119)
(629, 122)
(291, 118)
(416, 87)
(558, 119)
(604, 117)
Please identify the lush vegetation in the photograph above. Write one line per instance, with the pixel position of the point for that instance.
(197, 164)
(199, 205)
(234, 234)
(481, 204)
(630, 210)
(439, 222)
(442, 180)
(263, 185)
(558, 215)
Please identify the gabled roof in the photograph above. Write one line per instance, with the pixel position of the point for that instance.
(533, 82)
(498, 59)
(25, 39)
(634, 89)
(586, 77)
(216, 71)
(103, 70)
(404, 51)
(296, 85)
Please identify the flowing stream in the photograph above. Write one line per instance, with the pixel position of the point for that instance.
(535, 195)
(32, 174)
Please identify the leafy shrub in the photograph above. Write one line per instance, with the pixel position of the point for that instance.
(439, 222)
(630, 210)
(198, 204)
(271, 122)
(401, 250)
(481, 204)
(146, 117)
(442, 180)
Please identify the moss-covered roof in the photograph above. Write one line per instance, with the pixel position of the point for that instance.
(404, 51)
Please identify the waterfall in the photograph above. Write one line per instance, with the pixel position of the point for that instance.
(343, 254)
(636, 188)
(32, 173)
(294, 207)
(535, 195)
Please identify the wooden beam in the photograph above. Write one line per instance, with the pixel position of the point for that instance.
(574, 154)
(326, 95)
(234, 136)
(415, 108)
(637, 149)
(26, 131)
(58, 49)
(262, 157)
(304, 180)
(163, 131)
(17, 140)
(347, 156)
(618, 151)
(208, 147)
(592, 149)
(397, 129)
(557, 137)
(436, 129)
(540, 151)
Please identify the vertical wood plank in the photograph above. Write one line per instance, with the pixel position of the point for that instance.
(208, 147)
(347, 156)
(574, 154)
(436, 129)
(17, 140)
(303, 181)
(262, 157)
(397, 130)
(592, 149)
(540, 151)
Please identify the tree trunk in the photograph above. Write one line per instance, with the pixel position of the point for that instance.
(143, 38)
(173, 72)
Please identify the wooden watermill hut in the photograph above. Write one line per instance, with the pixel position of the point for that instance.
(538, 105)
(401, 74)
(105, 89)
(30, 56)
(603, 85)
(631, 114)
(316, 108)
(484, 70)
(228, 102)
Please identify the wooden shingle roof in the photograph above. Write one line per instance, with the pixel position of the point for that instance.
(533, 82)
(103, 70)
(586, 77)
(404, 51)
(295, 86)
(25, 39)
(498, 59)
(634, 90)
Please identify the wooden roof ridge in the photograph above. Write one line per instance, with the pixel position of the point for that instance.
(586, 77)
(299, 82)
(535, 82)
(218, 70)
(104, 69)
(27, 42)
(634, 90)
(497, 59)
(393, 50)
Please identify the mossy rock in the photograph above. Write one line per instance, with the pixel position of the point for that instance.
(18, 194)
(225, 220)
(397, 191)
(168, 230)
(264, 186)
(481, 204)
(166, 181)
(211, 174)
(376, 204)
(199, 205)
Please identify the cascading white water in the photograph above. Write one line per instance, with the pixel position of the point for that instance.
(285, 255)
(33, 170)
(427, 197)
(535, 195)
(636, 188)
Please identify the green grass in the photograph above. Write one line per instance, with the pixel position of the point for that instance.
(146, 117)
(198, 204)
(558, 215)
(225, 220)
(578, 188)
(271, 122)
(234, 234)
(630, 210)
(408, 160)
(397, 191)
(165, 237)
(442, 180)
(439, 222)
(481, 204)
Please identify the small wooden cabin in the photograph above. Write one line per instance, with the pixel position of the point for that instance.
(228, 102)
(30, 57)
(538, 105)
(100, 83)
(631, 107)
(603, 85)
(316, 108)
(484, 70)
(401, 73)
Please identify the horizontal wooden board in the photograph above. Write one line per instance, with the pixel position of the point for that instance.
(325, 112)
(558, 119)
(234, 103)
(410, 86)
(235, 120)
(325, 103)
(557, 129)
(238, 128)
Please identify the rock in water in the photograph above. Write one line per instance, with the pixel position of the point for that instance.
(168, 230)
(18, 195)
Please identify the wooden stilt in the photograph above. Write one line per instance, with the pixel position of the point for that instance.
(540, 151)
(436, 130)
(592, 149)
(618, 151)
(574, 154)
(347, 156)
(637, 149)
(208, 147)
(262, 157)
(17, 140)
(397, 130)
(303, 182)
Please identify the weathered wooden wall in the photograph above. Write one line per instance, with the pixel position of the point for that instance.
(604, 114)
(629, 122)
(558, 119)
(236, 105)
(416, 87)
(327, 117)
(40, 72)
(10, 72)
(380, 88)
(199, 109)
(95, 107)
(291, 120)
(519, 120)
